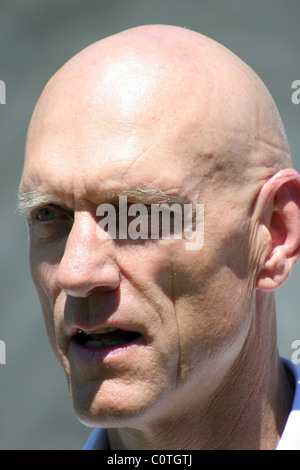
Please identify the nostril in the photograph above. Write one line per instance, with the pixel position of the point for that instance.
(81, 279)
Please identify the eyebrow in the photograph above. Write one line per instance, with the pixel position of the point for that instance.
(28, 199)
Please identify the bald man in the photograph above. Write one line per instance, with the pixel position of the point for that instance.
(165, 347)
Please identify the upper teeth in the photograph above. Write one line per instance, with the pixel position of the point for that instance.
(99, 332)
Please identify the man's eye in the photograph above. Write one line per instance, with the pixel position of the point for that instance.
(50, 223)
(46, 214)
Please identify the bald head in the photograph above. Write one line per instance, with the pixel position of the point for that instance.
(179, 81)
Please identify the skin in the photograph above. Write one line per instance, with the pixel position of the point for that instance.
(167, 109)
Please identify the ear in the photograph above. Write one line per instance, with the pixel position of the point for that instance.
(279, 206)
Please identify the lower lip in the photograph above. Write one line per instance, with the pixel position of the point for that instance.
(108, 352)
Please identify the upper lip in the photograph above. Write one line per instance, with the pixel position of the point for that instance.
(99, 316)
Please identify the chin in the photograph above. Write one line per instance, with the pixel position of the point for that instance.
(108, 417)
(96, 407)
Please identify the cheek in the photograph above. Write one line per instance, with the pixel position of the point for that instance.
(212, 309)
(44, 274)
(148, 270)
(148, 280)
(44, 278)
(44, 263)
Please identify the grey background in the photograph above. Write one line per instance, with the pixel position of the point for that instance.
(36, 38)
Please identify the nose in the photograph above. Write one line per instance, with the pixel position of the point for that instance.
(87, 264)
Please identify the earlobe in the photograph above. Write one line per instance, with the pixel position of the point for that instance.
(279, 205)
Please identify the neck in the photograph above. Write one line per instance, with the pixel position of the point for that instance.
(247, 411)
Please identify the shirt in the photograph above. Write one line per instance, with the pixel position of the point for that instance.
(290, 439)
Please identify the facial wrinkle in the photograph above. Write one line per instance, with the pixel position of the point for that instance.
(133, 163)
(282, 158)
(173, 274)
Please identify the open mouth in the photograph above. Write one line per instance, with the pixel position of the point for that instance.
(105, 338)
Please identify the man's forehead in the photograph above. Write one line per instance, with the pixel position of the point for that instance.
(152, 100)
(146, 68)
